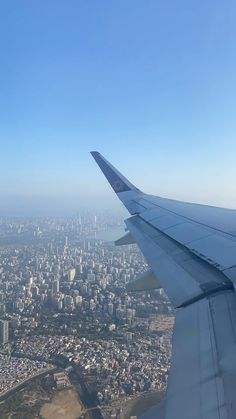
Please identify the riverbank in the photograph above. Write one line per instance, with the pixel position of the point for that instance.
(141, 404)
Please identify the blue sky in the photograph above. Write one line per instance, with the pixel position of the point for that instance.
(150, 84)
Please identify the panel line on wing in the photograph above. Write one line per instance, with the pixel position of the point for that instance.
(182, 274)
(232, 236)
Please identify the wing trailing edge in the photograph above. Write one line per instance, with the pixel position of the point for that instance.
(144, 282)
(124, 240)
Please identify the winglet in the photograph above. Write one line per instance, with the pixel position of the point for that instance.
(117, 181)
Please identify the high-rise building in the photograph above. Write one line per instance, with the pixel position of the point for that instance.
(88, 247)
(2, 309)
(68, 302)
(110, 309)
(4, 334)
(35, 291)
(92, 304)
(71, 274)
(55, 286)
(78, 299)
(91, 277)
(80, 268)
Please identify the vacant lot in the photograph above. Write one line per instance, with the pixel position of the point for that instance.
(64, 405)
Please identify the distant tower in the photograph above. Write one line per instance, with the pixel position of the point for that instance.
(35, 291)
(4, 331)
(110, 309)
(88, 246)
(71, 275)
(55, 286)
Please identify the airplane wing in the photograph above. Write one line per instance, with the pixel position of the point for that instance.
(191, 252)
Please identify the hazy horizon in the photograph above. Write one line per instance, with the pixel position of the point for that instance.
(14, 206)
(33, 206)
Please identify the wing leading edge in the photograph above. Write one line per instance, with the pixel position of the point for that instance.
(191, 249)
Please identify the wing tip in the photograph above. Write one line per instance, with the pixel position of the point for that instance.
(94, 153)
(117, 181)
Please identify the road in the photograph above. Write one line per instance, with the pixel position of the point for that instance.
(21, 385)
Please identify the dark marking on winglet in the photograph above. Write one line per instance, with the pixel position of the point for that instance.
(117, 181)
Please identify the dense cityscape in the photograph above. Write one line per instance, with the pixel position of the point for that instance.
(63, 303)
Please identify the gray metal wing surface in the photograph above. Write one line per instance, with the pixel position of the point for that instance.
(191, 250)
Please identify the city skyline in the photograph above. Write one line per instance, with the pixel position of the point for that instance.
(64, 301)
(141, 83)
